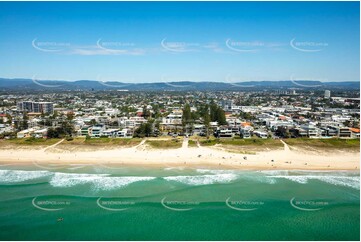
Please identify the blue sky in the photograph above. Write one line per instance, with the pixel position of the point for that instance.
(180, 41)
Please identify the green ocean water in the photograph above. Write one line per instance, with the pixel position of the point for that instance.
(125, 203)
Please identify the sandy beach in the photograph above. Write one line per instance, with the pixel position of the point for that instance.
(211, 157)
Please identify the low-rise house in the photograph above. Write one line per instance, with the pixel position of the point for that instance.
(124, 133)
(197, 128)
(40, 133)
(355, 133)
(312, 131)
(85, 131)
(224, 133)
(261, 134)
(299, 132)
(330, 131)
(245, 132)
(32, 132)
(110, 133)
(344, 132)
(23, 134)
(97, 130)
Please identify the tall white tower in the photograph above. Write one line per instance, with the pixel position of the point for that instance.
(327, 93)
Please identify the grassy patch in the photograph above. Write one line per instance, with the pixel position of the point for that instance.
(192, 143)
(209, 142)
(30, 141)
(242, 142)
(325, 143)
(107, 141)
(165, 144)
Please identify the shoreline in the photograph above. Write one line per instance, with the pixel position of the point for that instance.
(186, 157)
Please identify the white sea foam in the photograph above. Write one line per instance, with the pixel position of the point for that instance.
(203, 179)
(13, 176)
(110, 183)
(72, 179)
(97, 181)
(173, 168)
(298, 179)
(348, 181)
(209, 171)
(275, 172)
(258, 178)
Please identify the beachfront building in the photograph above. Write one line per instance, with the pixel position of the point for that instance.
(245, 132)
(35, 132)
(84, 131)
(344, 132)
(355, 133)
(224, 133)
(124, 133)
(97, 130)
(110, 133)
(172, 121)
(312, 131)
(261, 134)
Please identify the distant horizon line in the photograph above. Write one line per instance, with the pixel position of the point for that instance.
(176, 81)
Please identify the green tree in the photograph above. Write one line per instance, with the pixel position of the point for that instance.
(146, 112)
(70, 116)
(24, 123)
(10, 119)
(186, 117)
(144, 130)
(206, 122)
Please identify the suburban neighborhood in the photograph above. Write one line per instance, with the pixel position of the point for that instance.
(223, 114)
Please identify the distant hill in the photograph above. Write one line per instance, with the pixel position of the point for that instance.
(28, 84)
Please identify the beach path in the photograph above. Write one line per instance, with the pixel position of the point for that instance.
(185, 143)
(52, 146)
(140, 144)
(285, 146)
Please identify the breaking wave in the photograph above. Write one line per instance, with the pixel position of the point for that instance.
(97, 181)
(14, 176)
(58, 179)
(203, 179)
(347, 181)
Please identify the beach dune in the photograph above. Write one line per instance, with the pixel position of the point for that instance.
(215, 156)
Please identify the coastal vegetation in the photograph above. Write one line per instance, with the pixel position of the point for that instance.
(332, 143)
(164, 144)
